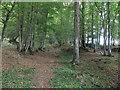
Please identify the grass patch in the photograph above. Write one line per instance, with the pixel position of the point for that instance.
(18, 78)
(89, 74)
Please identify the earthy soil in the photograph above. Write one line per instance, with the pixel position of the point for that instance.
(94, 63)
(104, 64)
(42, 61)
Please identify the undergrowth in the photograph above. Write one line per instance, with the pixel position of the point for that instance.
(18, 78)
(87, 75)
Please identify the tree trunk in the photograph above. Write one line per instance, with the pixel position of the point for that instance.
(92, 27)
(76, 33)
(20, 38)
(29, 31)
(33, 30)
(87, 38)
(109, 30)
(83, 29)
(104, 36)
(103, 28)
(98, 44)
(119, 27)
(20, 26)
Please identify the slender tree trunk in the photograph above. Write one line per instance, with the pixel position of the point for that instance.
(104, 33)
(87, 38)
(33, 29)
(98, 37)
(112, 32)
(20, 38)
(76, 33)
(119, 27)
(109, 30)
(83, 29)
(104, 36)
(29, 31)
(20, 27)
(33, 37)
(92, 26)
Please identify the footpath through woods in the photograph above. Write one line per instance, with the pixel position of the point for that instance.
(42, 61)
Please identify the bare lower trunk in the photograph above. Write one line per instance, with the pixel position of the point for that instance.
(98, 37)
(104, 44)
(76, 34)
(109, 31)
(104, 36)
(87, 39)
(20, 26)
(92, 26)
(83, 29)
(20, 39)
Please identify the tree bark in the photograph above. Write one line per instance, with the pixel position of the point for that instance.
(20, 26)
(83, 29)
(92, 26)
(119, 27)
(76, 59)
(104, 36)
(109, 30)
(21, 18)
(103, 28)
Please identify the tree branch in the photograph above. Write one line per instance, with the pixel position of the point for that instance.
(6, 20)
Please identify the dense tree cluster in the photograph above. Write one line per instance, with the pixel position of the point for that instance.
(32, 26)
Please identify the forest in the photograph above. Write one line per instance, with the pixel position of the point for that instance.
(60, 44)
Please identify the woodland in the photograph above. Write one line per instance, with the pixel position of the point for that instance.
(60, 44)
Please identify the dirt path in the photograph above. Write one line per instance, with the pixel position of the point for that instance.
(44, 71)
(42, 61)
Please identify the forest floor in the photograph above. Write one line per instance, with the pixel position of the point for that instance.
(94, 71)
(51, 69)
(42, 62)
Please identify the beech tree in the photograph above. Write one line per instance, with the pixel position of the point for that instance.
(76, 34)
(82, 25)
(109, 29)
(33, 26)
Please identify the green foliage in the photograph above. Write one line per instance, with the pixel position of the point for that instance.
(18, 78)
(58, 26)
(64, 78)
(53, 22)
(83, 76)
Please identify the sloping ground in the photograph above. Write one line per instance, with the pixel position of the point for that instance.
(94, 71)
(104, 69)
(42, 61)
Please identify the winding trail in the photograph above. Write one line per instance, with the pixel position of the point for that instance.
(44, 71)
(42, 61)
(45, 61)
